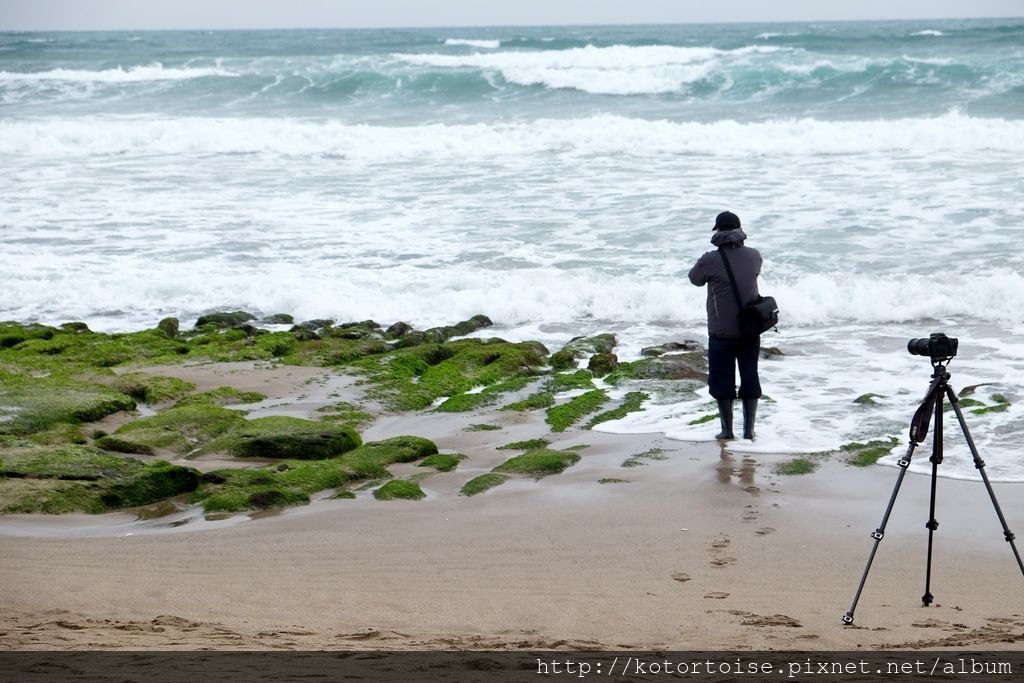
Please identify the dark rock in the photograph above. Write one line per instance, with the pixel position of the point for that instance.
(119, 445)
(214, 478)
(771, 353)
(563, 360)
(317, 325)
(76, 328)
(365, 324)
(662, 349)
(169, 327)
(398, 330)
(249, 330)
(437, 354)
(224, 319)
(537, 346)
(867, 399)
(283, 467)
(477, 322)
(308, 445)
(602, 364)
(304, 334)
(367, 329)
(584, 347)
(414, 338)
(278, 319)
(437, 335)
(692, 365)
(266, 499)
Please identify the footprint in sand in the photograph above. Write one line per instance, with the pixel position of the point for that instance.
(680, 576)
(750, 514)
(722, 561)
(764, 531)
(716, 595)
(721, 542)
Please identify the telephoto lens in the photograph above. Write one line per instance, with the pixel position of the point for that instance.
(919, 347)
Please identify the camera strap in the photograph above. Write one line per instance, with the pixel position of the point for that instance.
(732, 279)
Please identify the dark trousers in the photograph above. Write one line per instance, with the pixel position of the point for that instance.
(723, 357)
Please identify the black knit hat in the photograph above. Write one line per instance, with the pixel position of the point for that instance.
(727, 220)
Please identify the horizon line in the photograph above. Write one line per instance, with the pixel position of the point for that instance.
(498, 26)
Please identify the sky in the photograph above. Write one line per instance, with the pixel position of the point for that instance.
(43, 15)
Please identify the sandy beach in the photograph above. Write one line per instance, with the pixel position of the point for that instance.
(700, 549)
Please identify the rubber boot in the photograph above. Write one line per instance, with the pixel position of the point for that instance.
(725, 417)
(749, 415)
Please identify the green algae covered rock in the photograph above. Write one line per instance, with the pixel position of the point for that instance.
(276, 486)
(291, 482)
(484, 482)
(224, 319)
(83, 479)
(371, 459)
(152, 388)
(584, 347)
(285, 437)
(33, 404)
(221, 396)
(412, 378)
(539, 463)
(399, 489)
(180, 429)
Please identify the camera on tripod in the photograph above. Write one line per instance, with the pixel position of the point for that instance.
(937, 345)
(941, 349)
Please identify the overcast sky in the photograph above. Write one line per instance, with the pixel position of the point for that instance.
(42, 15)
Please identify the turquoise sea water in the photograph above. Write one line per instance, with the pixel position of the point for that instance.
(561, 180)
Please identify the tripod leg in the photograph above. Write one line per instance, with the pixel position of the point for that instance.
(980, 465)
(933, 524)
(879, 533)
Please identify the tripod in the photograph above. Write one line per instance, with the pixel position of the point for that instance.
(938, 389)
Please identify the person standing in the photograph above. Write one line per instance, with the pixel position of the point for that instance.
(727, 347)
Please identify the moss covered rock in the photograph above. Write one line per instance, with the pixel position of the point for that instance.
(169, 327)
(84, 479)
(221, 396)
(539, 462)
(632, 402)
(371, 459)
(291, 482)
(561, 417)
(285, 437)
(602, 364)
(413, 378)
(442, 462)
(224, 319)
(584, 347)
(687, 345)
(180, 429)
(482, 483)
(152, 388)
(275, 486)
(673, 366)
(398, 489)
(33, 404)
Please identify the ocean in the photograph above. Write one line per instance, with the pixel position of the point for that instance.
(562, 181)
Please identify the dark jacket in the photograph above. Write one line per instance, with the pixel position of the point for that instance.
(723, 313)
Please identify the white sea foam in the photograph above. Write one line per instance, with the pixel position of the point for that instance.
(151, 72)
(614, 70)
(469, 42)
(928, 32)
(951, 133)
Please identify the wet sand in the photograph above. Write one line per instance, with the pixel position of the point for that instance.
(701, 549)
